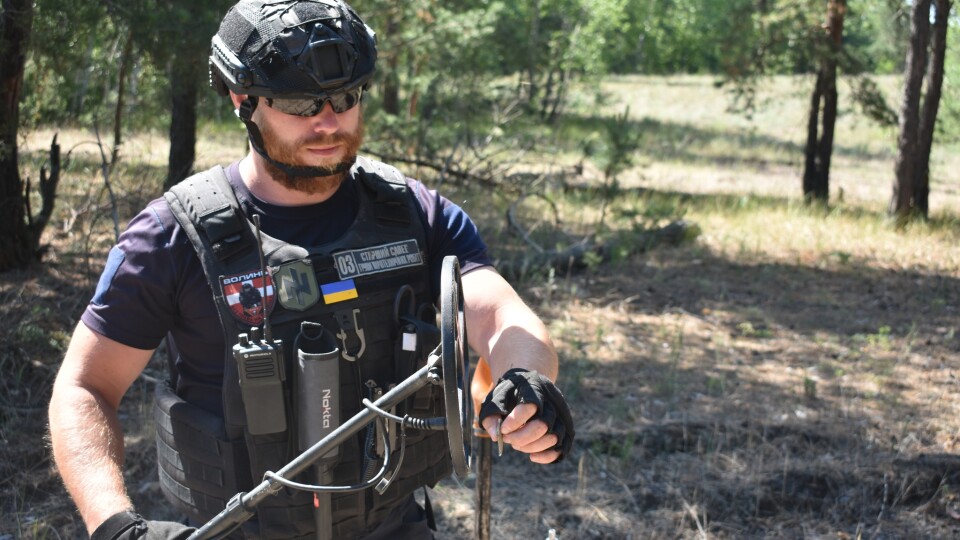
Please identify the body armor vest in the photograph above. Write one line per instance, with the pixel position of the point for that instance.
(370, 292)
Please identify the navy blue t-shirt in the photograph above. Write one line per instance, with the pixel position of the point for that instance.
(153, 283)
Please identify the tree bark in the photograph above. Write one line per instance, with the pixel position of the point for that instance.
(391, 80)
(533, 55)
(931, 106)
(902, 204)
(15, 243)
(48, 197)
(819, 149)
(125, 59)
(183, 120)
(810, 169)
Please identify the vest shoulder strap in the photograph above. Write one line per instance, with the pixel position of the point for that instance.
(388, 190)
(206, 207)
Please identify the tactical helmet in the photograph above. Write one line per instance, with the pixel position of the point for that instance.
(291, 49)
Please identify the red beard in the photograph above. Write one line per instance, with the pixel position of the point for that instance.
(328, 177)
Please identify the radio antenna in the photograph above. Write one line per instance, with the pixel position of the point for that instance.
(267, 332)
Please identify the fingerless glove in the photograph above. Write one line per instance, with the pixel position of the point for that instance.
(524, 386)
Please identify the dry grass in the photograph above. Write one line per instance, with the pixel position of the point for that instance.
(793, 373)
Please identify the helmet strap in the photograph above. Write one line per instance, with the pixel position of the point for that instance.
(245, 113)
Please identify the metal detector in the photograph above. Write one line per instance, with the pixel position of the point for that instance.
(446, 366)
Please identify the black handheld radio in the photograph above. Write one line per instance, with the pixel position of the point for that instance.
(259, 360)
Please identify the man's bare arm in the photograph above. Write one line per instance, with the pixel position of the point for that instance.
(503, 329)
(508, 334)
(84, 426)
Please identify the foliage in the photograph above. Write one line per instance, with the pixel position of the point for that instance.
(439, 55)
(787, 36)
(877, 32)
(72, 72)
(71, 65)
(438, 67)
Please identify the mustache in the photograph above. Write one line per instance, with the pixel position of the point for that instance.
(324, 139)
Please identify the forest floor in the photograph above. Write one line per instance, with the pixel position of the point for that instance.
(792, 372)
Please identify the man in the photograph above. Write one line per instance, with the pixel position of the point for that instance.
(352, 254)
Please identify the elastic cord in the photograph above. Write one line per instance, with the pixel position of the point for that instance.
(269, 475)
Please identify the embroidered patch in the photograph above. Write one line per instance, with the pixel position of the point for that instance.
(339, 291)
(297, 284)
(376, 259)
(248, 294)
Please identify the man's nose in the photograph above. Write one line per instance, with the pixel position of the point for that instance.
(326, 120)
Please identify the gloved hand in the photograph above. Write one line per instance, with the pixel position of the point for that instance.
(128, 525)
(523, 386)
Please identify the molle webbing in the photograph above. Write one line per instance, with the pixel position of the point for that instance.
(199, 470)
(218, 216)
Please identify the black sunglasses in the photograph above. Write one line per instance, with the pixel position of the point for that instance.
(340, 102)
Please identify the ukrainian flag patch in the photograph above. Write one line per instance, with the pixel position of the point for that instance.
(339, 291)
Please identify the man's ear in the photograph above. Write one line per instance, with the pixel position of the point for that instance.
(237, 99)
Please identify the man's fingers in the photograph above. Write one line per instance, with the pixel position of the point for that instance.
(526, 435)
(546, 442)
(490, 425)
(518, 417)
(545, 457)
(514, 421)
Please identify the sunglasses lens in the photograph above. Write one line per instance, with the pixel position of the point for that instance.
(340, 102)
(345, 101)
(296, 107)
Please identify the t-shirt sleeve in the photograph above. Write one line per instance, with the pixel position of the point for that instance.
(450, 231)
(134, 301)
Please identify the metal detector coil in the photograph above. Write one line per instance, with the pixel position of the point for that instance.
(455, 364)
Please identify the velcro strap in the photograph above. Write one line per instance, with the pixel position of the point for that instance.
(116, 525)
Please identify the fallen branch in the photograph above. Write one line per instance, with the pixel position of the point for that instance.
(577, 256)
(520, 229)
(442, 168)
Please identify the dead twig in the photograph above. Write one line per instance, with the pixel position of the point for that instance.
(442, 168)
(105, 167)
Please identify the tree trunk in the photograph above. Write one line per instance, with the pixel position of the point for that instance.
(810, 169)
(533, 55)
(391, 80)
(15, 23)
(125, 61)
(819, 149)
(903, 201)
(836, 11)
(931, 105)
(48, 197)
(183, 120)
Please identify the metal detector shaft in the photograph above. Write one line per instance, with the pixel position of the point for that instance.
(243, 505)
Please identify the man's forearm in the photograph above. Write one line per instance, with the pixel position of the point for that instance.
(503, 329)
(524, 343)
(88, 450)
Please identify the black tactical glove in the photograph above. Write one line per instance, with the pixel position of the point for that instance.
(523, 386)
(128, 525)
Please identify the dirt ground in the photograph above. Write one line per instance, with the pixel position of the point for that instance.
(722, 400)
